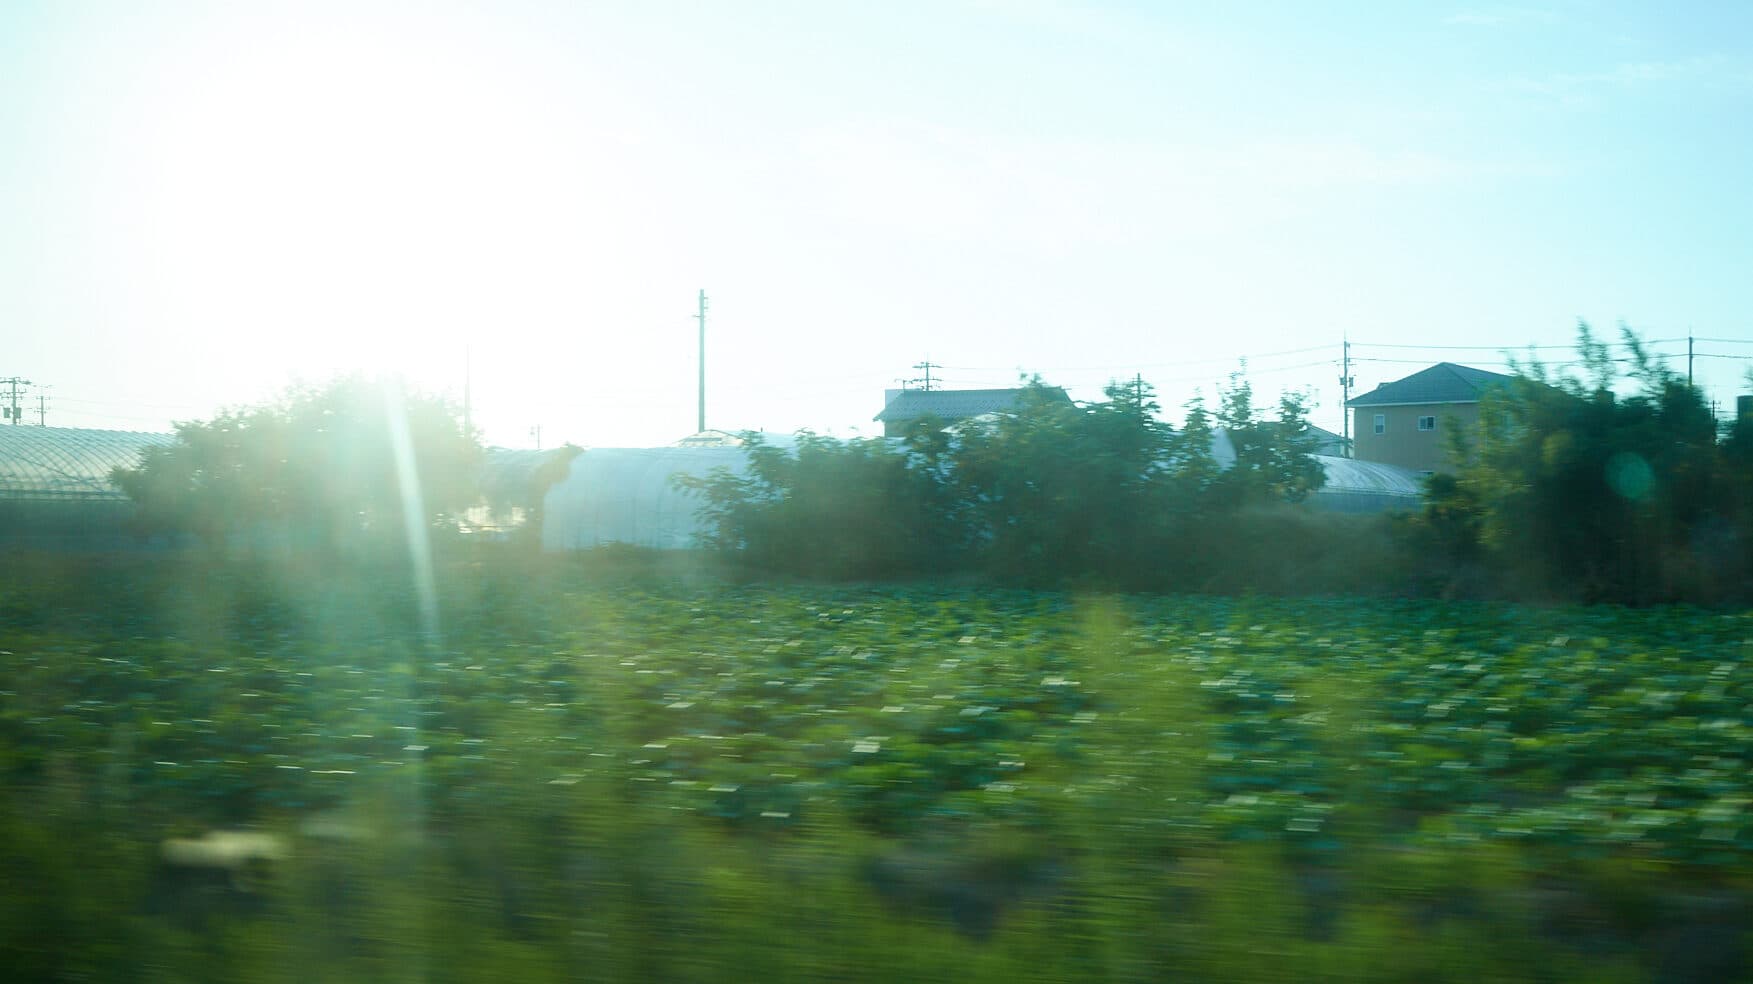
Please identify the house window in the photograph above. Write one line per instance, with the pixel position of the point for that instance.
(1381, 423)
(1427, 423)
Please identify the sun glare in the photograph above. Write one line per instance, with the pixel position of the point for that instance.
(367, 201)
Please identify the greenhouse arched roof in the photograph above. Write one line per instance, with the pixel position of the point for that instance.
(68, 462)
(628, 495)
(1366, 486)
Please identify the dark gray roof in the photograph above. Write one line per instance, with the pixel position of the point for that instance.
(1326, 442)
(68, 462)
(951, 405)
(1444, 382)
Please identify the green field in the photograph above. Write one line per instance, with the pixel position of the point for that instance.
(585, 774)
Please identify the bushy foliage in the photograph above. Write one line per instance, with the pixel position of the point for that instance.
(1571, 489)
(319, 468)
(1055, 489)
(1049, 492)
(832, 508)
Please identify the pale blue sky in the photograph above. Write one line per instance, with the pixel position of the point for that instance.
(200, 203)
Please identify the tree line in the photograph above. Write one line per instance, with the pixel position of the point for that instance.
(1047, 493)
(1614, 483)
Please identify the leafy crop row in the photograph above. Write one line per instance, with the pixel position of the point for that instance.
(1048, 750)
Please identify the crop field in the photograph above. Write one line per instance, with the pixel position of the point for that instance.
(580, 775)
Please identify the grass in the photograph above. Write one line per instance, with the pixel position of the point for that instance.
(626, 769)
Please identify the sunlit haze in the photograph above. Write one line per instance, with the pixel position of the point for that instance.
(203, 203)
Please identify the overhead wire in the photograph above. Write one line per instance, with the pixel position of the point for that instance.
(63, 398)
(1470, 348)
(1134, 366)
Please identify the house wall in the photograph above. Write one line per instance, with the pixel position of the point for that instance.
(1401, 442)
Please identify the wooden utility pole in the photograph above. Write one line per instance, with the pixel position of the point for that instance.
(14, 412)
(701, 423)
(1345, 390)
(468, 408)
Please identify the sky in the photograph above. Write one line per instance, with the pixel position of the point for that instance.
(202, 204)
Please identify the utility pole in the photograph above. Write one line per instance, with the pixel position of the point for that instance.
(701, 423)
(1345, 388)
(1138, 393)
(925, 382)
(42, 409)
(1688, 357)
(536, 432)
(14, 412)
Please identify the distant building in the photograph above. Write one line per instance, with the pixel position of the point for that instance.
(1407, 422)
(902, 407)
(1325, 442)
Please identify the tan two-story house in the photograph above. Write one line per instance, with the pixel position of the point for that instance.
(1407, 422)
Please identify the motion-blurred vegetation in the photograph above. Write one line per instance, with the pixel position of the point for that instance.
(604, 769)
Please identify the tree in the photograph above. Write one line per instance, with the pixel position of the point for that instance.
(828, 508)
(324, 468)
(1582, 491)
(1055, 491)
(1273, 462)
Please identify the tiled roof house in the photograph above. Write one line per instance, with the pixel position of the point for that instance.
(1407, 422)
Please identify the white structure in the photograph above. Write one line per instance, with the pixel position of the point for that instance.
(628, 495)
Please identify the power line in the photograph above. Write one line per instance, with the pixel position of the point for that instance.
(117, 416)
(1556, 362)
(1464, 348)
(1134, 366)
(131, 403)
(1201, 377)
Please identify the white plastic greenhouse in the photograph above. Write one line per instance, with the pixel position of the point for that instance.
(55, 488)
(68, 463)
(1366, 486)
(626, 495)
